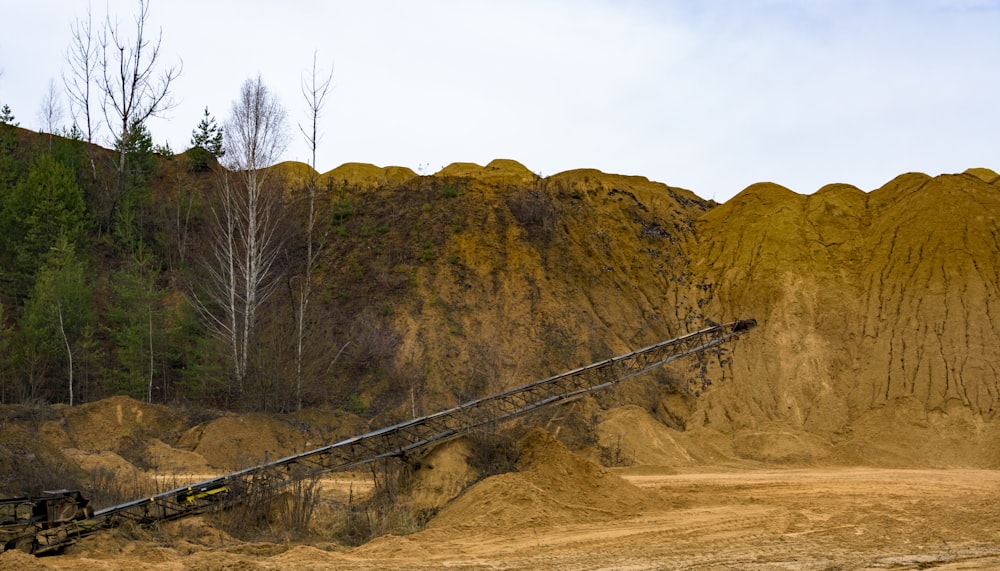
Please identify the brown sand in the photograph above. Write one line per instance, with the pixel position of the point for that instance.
(794, 519)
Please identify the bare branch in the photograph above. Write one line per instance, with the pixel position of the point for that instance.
(132, 89)
(245, 223)
(255, 135)
(51, 111)
(81, 56)
(315, 91)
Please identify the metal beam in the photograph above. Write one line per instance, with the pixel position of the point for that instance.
(397, 440)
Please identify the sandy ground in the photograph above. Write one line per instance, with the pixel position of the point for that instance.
(840, 518)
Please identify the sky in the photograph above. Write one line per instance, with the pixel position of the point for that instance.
(708, 95)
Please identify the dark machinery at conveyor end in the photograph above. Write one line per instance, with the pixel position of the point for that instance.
(46, 524)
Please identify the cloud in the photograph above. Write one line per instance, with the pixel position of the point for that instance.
(712, 96)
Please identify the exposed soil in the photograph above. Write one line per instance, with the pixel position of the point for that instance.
(856, 428)
(837, 518)
(685, 500)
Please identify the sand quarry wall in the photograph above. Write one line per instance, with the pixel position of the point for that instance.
(878, 337)
(878, 340)
(880, 323)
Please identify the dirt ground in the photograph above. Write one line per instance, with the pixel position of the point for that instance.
(797, 519)
(683, 503)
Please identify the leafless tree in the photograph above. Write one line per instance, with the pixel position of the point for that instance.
(314, 89)
(132, 87)
(81, 56)
(69, 349)
(50, 112)
(246, 221)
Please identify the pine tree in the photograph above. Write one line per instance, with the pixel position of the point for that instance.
(9, 165)
(7, 117)
(206, 143)
(52, 324)
(134, 326)
(45, 205)
(208, 135)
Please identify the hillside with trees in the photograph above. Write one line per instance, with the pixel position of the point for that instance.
(223, 277)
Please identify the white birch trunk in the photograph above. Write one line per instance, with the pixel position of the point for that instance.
(69, 352)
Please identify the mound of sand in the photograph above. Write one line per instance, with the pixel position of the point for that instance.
(15, 560)
(632, 436)
(233, 442)
(115, 469)
(878, 312)
(294, 174)
(460, 169)
(952, 437)
(111, 423)
(442, 475)
(29, 464)
(987, 175)
(365, 175)
(781, 446)
(165, 459)
(497, 171)
(552, 486)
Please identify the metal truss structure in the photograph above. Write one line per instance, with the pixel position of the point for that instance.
(44, 534)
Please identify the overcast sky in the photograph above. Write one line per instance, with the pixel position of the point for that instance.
(709, 95)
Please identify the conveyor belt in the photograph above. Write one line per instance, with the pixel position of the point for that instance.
(399, 440)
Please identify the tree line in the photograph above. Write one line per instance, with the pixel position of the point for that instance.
(132, 270)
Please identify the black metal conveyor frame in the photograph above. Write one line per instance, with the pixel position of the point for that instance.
(397, 440)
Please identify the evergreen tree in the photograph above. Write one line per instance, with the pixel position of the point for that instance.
(7, 117)
(53, 323)
(130, 213)
(208, 135)
(44, 206)
(139, 158)
(9, 167)
(134, 326)
(206, 143)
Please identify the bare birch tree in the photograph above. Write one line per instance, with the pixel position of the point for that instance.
(246, 221)
(132, 87)
(81, 56)
(69, 348)
(314, 90)
(50, 112)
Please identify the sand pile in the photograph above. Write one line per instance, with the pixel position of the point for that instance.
(514, 281)
(442, 475)
(498, 171)
(552, 486)
(233, 442)
(15, 560)
(365, 176)
(115, 422)
(630, 435)
(879, 313)
(950, 438)
(29, 465)
(165, 459)
(987, 175)
(112, 464)
(294, 174)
